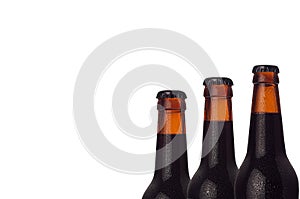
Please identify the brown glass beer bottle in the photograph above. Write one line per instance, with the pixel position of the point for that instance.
(171, 175)
(266, 172)
(215, 177)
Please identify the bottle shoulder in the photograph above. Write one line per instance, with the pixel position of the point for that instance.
(165, 190)
(219, 171)
(268, 164)
(274, 176)
(215, 182)
(210, 187)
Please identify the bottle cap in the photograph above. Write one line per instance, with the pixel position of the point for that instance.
(217, 81)
(265, 68)
(171, 94)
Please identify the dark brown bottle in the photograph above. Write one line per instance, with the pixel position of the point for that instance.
(266, 172)
(216, 174)
(171, 175)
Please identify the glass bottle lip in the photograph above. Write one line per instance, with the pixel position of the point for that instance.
(218, 91)
(265, 78)
(171, 104)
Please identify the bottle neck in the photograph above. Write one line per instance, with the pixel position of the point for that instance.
(218, 103)
(266, 132)
(171, 149)
(218, 144)
(218, 109)
(171, 122)
(265, 98)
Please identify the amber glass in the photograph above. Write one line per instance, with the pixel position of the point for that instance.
(266, 172)
(218, 103)
(171, 118)
(265, 95)
(171, 175)
(216, 174)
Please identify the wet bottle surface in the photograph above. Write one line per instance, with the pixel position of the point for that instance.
(171, 175)
(266, 172)
(215, 177)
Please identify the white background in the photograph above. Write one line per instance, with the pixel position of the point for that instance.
(42, 48)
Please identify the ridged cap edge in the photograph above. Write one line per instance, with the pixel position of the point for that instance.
(217, 81)
(265, 68)
(171, 94)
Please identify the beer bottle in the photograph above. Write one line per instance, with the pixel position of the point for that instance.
(266, 171)
(171, 175)
(216, 174)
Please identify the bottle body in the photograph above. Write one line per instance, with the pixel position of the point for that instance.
(171, 175)
(266, 171)
(216, 174)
